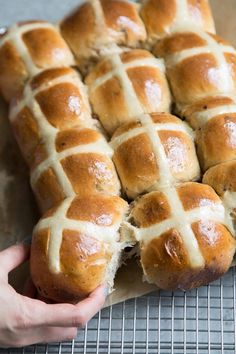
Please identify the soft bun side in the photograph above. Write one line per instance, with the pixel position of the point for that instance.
(222, 178)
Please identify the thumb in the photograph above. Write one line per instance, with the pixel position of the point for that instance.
(13, 256)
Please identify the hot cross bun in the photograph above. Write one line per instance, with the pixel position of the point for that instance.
(26, 49)
(55, 132)
(79, 165)
(76, 247)
(164, 17)
(214, 119)
(181, 230)
(122, 87)
(183, 236)
(222, 178)
(97, 27)
(198, 65)
(153, 152)
(52, 101)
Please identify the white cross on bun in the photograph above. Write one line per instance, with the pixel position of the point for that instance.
(164, 17)
(214, 119)
(76, 246)
(98, 27)
(183, 236)
(58, 138)
(153, 152)
(27, 48)
(198, 64)
(123, 86)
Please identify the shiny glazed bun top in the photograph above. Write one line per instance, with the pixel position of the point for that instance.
(52, 101)
(79, 164)
(97, 27)
(26, 49)
(164, 17)
(198, 64)
(153, 152)
(58, 138)
(124, 86)
(76, 247)
(214, 119)
(183, 236)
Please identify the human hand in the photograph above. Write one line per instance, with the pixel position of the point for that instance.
(25, 321)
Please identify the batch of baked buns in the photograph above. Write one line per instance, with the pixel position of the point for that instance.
(126, 116)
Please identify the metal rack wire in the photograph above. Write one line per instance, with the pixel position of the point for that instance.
(202, 321)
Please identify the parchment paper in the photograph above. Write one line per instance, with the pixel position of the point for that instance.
(18, 212)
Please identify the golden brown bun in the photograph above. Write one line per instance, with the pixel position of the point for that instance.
(122, 87)
(153, 152)
(163, 17)
(216, 141)
(65, 158)
(222, 177)
(183, 236)
(26, 49)
(215, 121)
(76, 247)
(80, 165)
(198, 65)
(200, 112)
(57, 99)
(96, 27)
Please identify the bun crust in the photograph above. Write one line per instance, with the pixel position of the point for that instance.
(215, 121)
(83, 159)
(222, 178)
(97, 27)
(163, 17)
(198, 65)
(182, 231)
(154, 152)
(118, 88)
(47, 98)
(183, 236)
(73, 246)
(65, 159)
(26, 49)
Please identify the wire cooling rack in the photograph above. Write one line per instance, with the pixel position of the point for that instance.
(202, 321)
